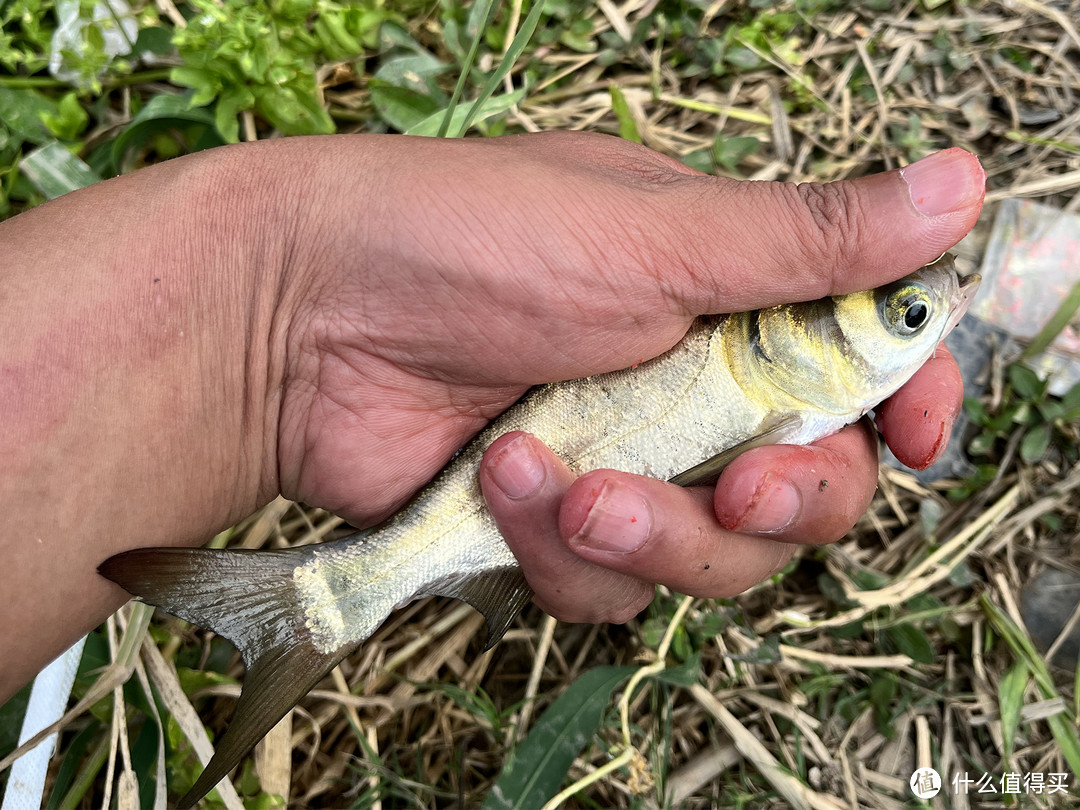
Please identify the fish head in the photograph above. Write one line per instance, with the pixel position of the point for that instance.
(844, 354)
(892, 330)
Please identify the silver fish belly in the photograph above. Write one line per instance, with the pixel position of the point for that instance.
(673, 402)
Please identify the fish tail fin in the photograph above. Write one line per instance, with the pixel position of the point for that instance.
(249, 598)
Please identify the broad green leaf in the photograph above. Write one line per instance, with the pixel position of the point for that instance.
(162, 112)
(912, 642)
(493, 106)
(227, 109)
(402, 107)
(155, 40)
(729, 152)
(686, 674)
(416, 71)
(975, 410)
(1072, 398)
(1050, 410)
(69, 120)
(23, 109)
(205, 85)
(54, 170)
(700, 159)
(1025, 382)
(742, 57)
(540, 763)
(1034, 443)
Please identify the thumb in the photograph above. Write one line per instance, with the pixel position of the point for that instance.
(773, 242)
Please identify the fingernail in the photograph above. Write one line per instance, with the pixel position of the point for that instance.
(944, 182)
(775, 506)
(619, 520)
(517, 470)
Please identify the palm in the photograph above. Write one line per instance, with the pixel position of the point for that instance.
(377, 404)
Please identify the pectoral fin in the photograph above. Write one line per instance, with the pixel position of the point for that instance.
(772, 431)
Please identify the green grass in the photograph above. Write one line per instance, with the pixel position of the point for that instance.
(824, 685)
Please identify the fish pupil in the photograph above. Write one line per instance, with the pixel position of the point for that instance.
(915, 316)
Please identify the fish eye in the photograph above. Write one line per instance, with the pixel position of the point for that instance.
(915, 315)
(906, 310)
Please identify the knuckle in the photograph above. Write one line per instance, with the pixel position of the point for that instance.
(627, 160)
(828, 224)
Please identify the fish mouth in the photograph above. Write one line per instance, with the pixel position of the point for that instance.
(965, 294)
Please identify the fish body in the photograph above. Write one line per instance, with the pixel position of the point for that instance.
(788, 374)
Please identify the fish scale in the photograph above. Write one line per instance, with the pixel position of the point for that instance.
(792, 373)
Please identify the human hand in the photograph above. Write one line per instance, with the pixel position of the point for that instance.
(570, 533)
(332, 318)
(531, 259)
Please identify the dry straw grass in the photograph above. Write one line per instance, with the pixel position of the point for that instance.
(806, 693)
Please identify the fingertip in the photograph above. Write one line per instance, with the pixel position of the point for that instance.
(951, 181)
(524, 484)
(754, 495)
(918, 419)
(801, 494)
(605, 512)
(513, 464)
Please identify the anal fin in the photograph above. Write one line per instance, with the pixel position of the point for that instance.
(499, 594)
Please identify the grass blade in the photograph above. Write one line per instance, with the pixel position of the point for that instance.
(493, 106)
(1061, 725)
(470, 59)
(540, 763)
(521, 40)
(1060, 319)
(1011, 701)
(627, 127)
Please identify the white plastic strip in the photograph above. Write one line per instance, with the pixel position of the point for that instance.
(48, 699)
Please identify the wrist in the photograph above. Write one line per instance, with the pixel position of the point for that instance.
(137, 359)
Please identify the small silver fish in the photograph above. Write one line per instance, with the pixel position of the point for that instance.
(790, 374)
